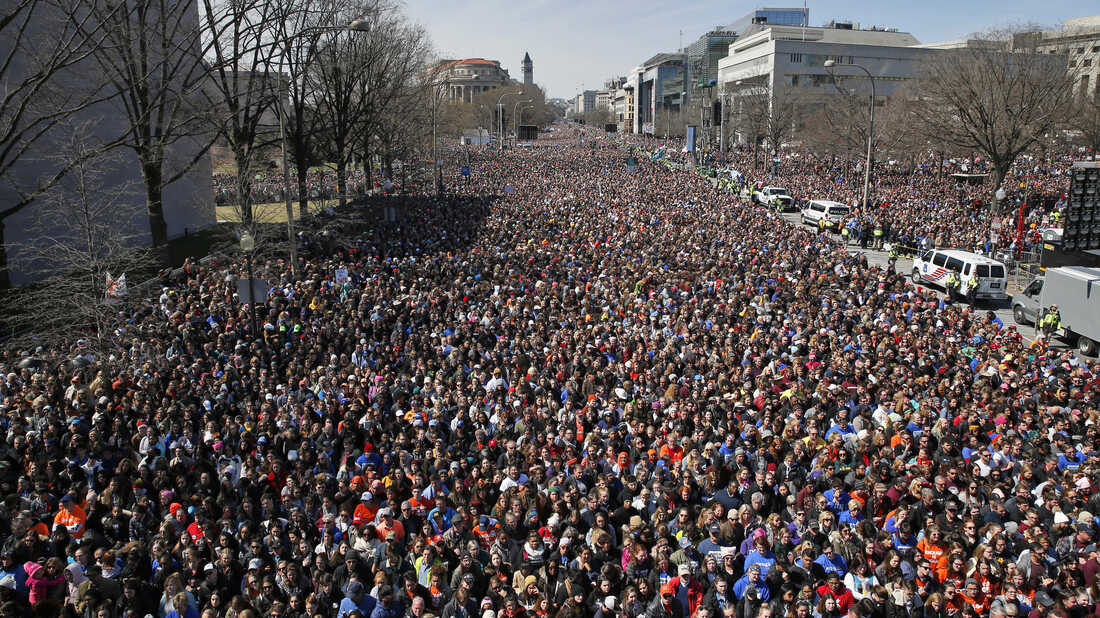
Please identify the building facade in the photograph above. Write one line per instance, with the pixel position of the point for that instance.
(603, 99)
(703, 56)
(623, 107)
(1079, 40)
(795, 16)
(779, 56)
(659, 92)
(469, 77)
(585, 102)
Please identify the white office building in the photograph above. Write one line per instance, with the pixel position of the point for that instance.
(778, 56)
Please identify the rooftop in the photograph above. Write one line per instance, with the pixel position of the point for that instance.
(481, 61)
(848, 34)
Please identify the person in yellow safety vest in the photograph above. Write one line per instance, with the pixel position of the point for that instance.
(1056, 216)
(952, 285)
(844, 232)
(878, 236)
(972, 284)
(1051, 322)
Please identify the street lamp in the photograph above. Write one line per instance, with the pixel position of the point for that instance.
(870, 126)
(248, 244)
(514, 110)
(441, 88)
(500, 120)
(722, 126)
(358, 25)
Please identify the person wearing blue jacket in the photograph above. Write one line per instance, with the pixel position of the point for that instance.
(752, 579)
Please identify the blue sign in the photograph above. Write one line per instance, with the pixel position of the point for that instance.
(465, 170)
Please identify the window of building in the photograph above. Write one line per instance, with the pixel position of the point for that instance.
(851, 60)
(796, 58)
(1080, 50)
(1087, 62)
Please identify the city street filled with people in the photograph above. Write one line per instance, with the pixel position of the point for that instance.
(563, 388)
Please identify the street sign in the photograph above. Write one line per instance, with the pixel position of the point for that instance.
(259, 291)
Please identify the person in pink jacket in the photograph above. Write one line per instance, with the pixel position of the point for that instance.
(43, 580)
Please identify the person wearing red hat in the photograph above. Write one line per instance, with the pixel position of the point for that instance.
(666, 605)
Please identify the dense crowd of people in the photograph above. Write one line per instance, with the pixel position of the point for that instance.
(564, 389)
(268, 187)
(921, 202)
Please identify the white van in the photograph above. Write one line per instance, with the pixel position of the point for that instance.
(825, 213)
(933, 266)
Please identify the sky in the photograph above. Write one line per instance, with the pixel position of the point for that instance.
(576, 45)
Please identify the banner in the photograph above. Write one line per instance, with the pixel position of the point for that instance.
(691, 138)
(342, 276)
(116, 289)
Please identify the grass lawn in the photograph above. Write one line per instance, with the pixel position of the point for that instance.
(274, 212)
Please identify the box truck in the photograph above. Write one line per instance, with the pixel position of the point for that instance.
(1076, 292)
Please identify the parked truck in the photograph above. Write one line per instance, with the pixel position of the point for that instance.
(1075, 290)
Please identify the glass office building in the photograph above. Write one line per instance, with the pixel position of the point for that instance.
(798, 16)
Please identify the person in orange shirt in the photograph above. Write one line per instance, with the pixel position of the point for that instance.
(954, 571)
(972, 596)
(389, 524)
(71, 517)
(931, 546)
(671, 452)
(366, 510)
(487, 530)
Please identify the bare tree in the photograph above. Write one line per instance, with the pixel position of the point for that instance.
(301, 27)
(993, 102)
(356, 77)
(101, 238)
(151, 59)
(1085, 121)
(39, 43)
(751, 105)
(599, 117)
(784, 111)
(400, 79)
(242, 88)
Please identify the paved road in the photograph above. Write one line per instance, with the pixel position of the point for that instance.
(905, 266)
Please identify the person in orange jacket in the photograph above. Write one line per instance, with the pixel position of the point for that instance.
(71, 517)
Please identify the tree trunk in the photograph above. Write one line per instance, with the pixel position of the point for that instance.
(5, 276)
(387, 161)
(1000, 171)
(303, 193)
(366, 163)
(244, 188)
(154, 202)
(342, 180)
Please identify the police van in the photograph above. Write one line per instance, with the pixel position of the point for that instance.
(935, 265)
(825, 213)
